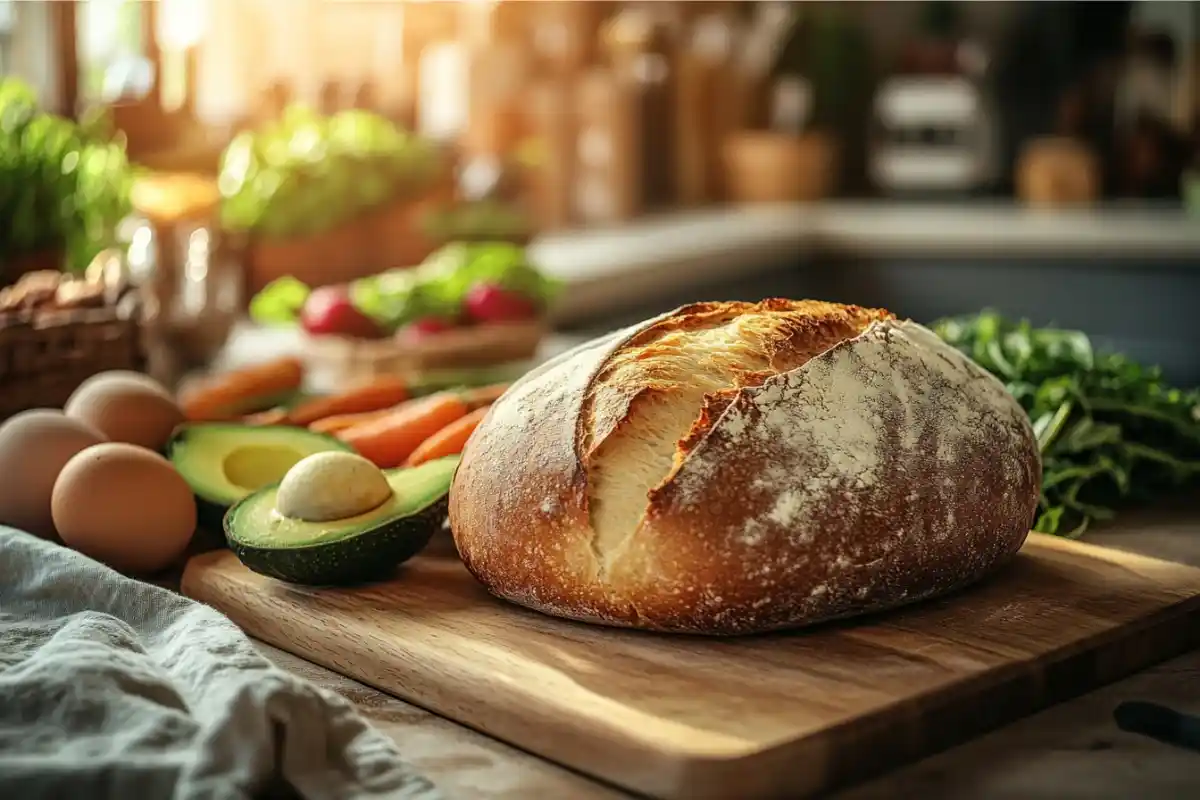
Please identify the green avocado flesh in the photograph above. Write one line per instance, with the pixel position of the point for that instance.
(356, 549)
(224, 462)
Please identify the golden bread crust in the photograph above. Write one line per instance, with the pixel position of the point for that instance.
(733, 468)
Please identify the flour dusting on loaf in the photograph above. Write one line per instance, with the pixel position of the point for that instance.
(839, 449)
(733, 468)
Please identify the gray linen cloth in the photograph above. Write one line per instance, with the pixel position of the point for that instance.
(113, 688)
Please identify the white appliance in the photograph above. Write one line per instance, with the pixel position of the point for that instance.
(932, 134)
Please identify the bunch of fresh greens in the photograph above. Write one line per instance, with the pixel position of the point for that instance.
(308, 172)
(1110, 430)
(434, 288)
(437, 286)
(63, 185)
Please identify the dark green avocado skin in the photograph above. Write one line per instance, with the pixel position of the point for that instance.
(210, 516)
(370, 556)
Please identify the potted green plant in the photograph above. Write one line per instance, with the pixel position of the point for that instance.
(328, 198)
(64, 186)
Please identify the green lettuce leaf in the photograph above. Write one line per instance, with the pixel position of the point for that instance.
(279, 302)
(439, 284)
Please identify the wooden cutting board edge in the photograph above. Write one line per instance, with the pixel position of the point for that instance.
(808, 763)
(942, 722)
(1012, 692)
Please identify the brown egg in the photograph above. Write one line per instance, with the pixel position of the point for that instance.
(125, 506)
(34, 447)
(126, 407)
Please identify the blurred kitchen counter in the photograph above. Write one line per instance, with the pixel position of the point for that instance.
(607, 270)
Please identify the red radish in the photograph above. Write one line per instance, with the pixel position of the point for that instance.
(330, 311)
(424, 327)
(487, 302)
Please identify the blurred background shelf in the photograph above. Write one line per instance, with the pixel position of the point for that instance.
(1131, 232)
(606, 269)
(1125, 272)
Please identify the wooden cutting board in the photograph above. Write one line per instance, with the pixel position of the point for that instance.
(772, 716)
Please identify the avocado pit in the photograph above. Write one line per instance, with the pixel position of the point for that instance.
(225, 462)
(340, 521)
(330, 486)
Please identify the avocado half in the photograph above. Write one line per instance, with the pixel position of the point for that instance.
(358, 549)
(224, 462)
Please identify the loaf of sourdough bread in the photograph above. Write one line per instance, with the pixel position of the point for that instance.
(732, 468)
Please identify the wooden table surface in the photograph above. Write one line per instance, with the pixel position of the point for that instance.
(1073, 750)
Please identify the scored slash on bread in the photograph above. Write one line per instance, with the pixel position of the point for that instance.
(732, 468)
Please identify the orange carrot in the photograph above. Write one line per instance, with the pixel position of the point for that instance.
(379, 393)
(484, 395)
(449, 441)
(229, 395)
(391, 439)
(340, 422)
(272, 416)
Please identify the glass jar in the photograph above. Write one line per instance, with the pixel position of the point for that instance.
(187, 271)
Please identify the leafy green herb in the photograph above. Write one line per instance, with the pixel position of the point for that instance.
(308, 172)
(1110, 430)
(63, 185)
(280, 302)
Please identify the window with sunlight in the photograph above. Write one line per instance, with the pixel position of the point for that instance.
(112, 49)
(8, 18)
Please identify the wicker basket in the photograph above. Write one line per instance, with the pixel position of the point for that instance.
(45, 355)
